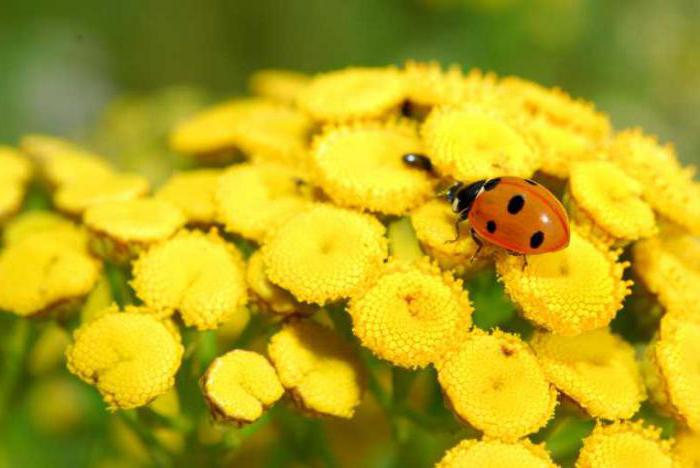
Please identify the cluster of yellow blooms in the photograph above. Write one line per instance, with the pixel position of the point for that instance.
(309, 173)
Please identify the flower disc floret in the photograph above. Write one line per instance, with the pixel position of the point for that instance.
(321, 371)
(360, 166)
(278, 85)
(471, 143)
(353, 94)
(625, 444)
(427, 84)
(325, 253)
(198, 275)
(36, 222)
(596, 369)
(239, 385)
(65, 167)
(194, 193)
(76, 197)
(130, 357)
(494, 382)
(568, 292)
(496, 454)
(412, 314)
(252, 198)
(267, 296)
(686, 450)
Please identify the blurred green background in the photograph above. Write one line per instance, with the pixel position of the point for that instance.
(61, 62)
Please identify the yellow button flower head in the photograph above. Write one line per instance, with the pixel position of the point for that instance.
(667, 186)
(45, 270)
(625, 444)
(239, 385)
(15, 171)
(353, 94)
(596, 369)
(253, 198)
(278, 85)
(471, 142)
(266, 295)
(412, 314)
(42, 147)
(434, 223)
(556, 106)
(427, 84)
(320, 370)
(360, 166)
(494, 382)
(34, 222)
(686, 450)
(130, 357)
(669, 265)
(676, 356)
(11, 196)
(569, 292)
(496, 454)
(609, 201)
(76, 197)
(325, 253)
(199, 275)
(194, 192)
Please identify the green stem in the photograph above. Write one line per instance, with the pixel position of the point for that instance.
(158, 453)
(119, 284)
(15, 354)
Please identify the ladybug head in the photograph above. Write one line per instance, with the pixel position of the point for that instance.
(462, 196)
(451, 192)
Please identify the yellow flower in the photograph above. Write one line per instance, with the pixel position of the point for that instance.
(199, 275)
(686, 450)
(353, 94)
(667, 186)
(76, 197)
(130, 357)
(194, 192)
(471, 142)
(676, 359)
(267, 296)
(625, 444)
(596, 369)
(35, 222)
(434, 223)
(325, 253)
(239, 385)
(556, 106)
(11, 197)
(48, 350)
(569, 292)
(320, 370)
(279, 85)
(495, 383)
(121, 229)
(360, 166)
(427, 84)
(496, 454)
(46, 270)
(412, 314)
(609, 201)
(669, 265)
(13, 166)
(42, 147)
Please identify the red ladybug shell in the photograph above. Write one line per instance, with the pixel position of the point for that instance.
(519, 215)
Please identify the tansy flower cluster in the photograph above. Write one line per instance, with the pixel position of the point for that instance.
(298, 262)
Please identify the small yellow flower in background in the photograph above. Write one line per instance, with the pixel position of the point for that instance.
(686, 450)
(239, 385)
(194, 192)
(44, 271)
(122, 229)
(669, 265)
(131, 357)
(15, 172)
(41, 147)
(279, 85)
(676, 360)
(196, 274)
(325, 253)
(428, 85)
(76, 197)
(494, 382)
(625, 444)
(267, 296)
(471, 142)
(496, 454)
(434, 224)
(667, 186)
(360, 166)
(49, 350)
(596, 369)
(569, 292)
(353, 94)
(11, 197)
(320, 370)
(412, 314)
(35, 222)
(253, 198)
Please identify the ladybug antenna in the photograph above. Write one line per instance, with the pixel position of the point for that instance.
(418, 161)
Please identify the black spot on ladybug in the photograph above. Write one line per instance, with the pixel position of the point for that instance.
(531, 182)
(536, 239)
(491, 226)
(491, 183)
(516, 204)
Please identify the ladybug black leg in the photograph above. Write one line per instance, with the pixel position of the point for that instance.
(524, 262)
(479, 245)
(460, 218)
